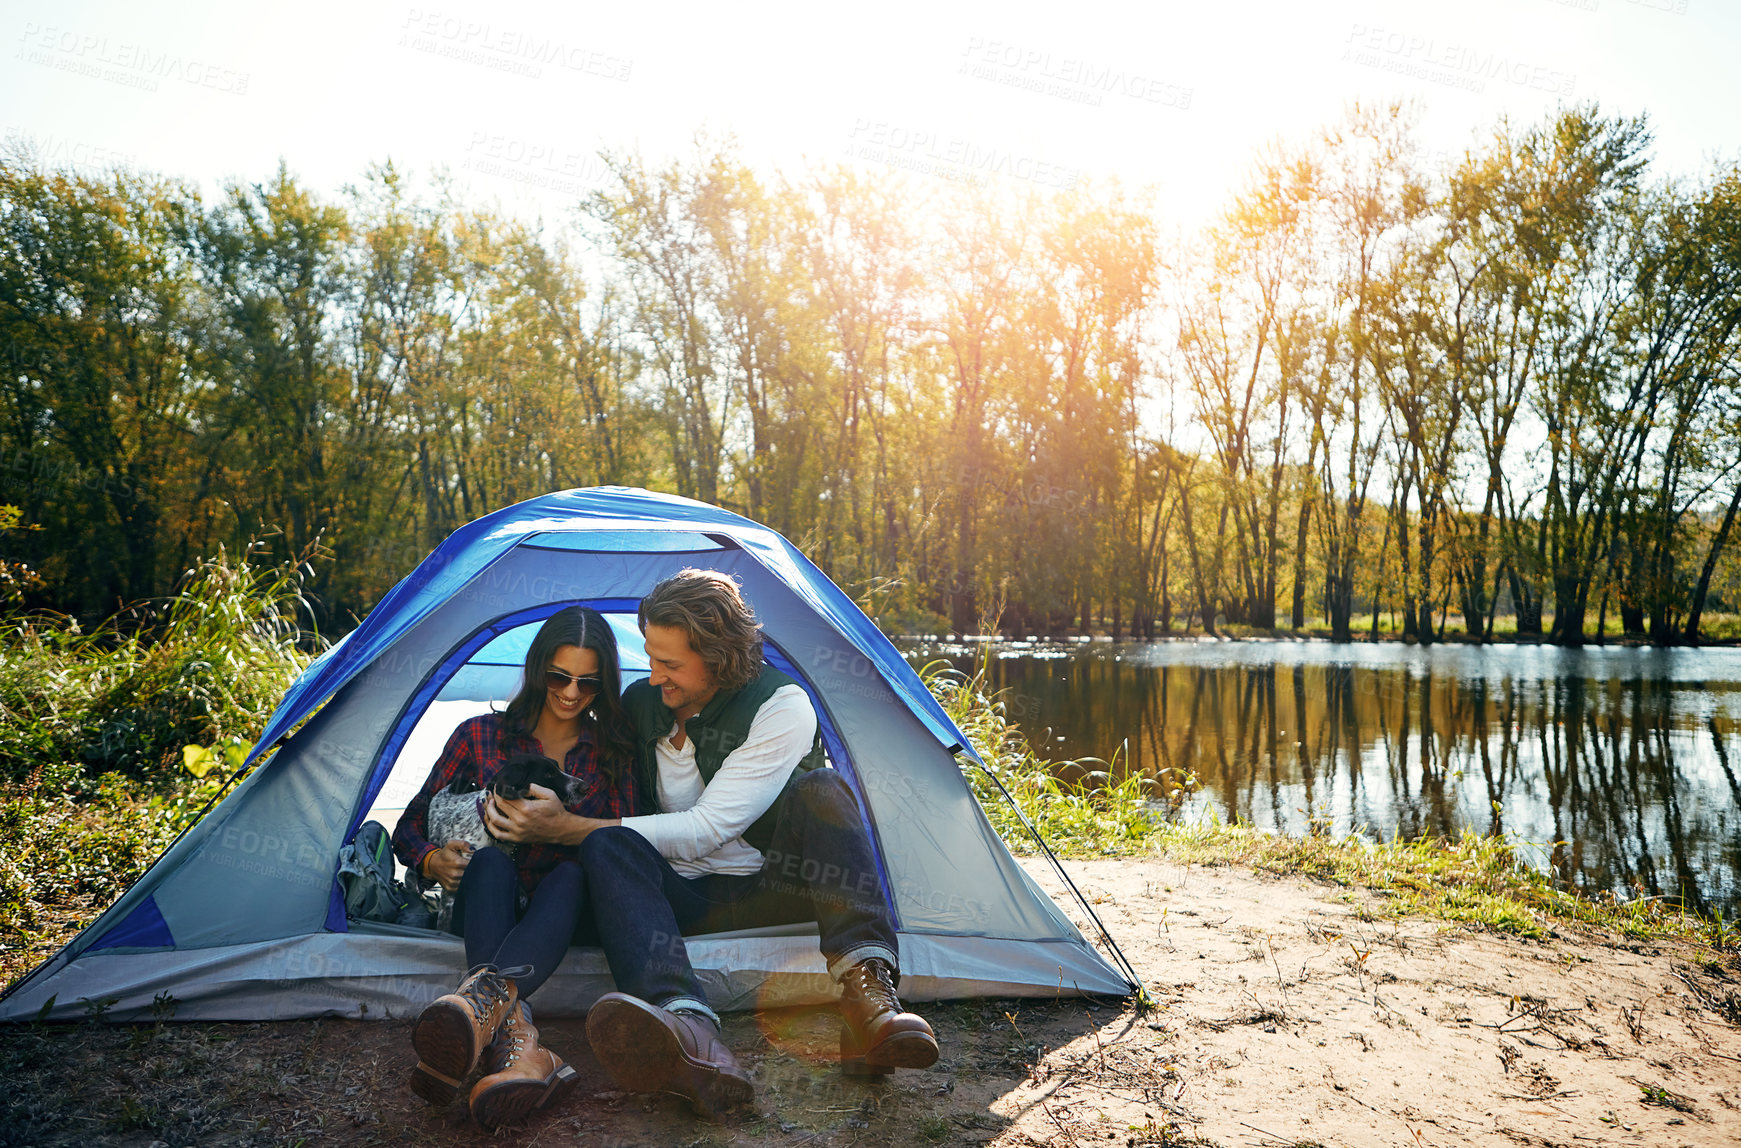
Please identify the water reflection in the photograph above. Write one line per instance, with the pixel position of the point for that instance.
(1622, 763)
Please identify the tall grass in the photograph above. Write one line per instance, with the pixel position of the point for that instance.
(1471, 879)
(95, 780)
(206, 665)
(1095, 813)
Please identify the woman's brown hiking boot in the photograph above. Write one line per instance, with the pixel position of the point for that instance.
(453, 1031)
(523, 1074)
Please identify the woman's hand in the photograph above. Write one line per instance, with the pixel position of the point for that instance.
(447, 864)
(538, 818)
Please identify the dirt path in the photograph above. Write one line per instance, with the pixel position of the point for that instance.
(1289, 1017)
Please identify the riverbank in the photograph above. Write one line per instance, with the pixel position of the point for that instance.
(1730, 637)
(1286, 1011)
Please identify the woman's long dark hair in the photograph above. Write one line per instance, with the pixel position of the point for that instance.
(584, 627)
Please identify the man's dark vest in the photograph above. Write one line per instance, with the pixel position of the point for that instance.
(722, 725)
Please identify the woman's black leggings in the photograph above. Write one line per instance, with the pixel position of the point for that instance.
(486, 913)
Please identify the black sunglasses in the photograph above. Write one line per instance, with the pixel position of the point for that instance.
(557, 680)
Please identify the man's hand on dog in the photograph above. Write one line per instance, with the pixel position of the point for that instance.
(538, 818)
(447, 864)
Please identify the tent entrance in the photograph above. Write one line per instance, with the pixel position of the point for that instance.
(485, 671)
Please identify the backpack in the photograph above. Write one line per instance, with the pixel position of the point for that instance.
(366, 875)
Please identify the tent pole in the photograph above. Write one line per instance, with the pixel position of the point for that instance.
(1124, 964)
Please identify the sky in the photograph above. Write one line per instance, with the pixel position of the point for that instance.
(515, 100)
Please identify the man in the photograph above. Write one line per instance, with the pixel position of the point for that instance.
(741, 825)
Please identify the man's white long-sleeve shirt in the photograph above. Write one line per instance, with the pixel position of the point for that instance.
(701, 828)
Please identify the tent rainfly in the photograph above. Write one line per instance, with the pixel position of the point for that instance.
(242, 919)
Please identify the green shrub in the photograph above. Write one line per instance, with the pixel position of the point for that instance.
(207, 664)
(113, 742)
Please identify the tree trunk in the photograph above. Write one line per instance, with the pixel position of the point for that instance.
(1378, 583)
(1424, 630)
(1526, 602)
(1166, 595)
(1568, 629)
(1205, 610)
(1697, 607)
(1409, 616)
(1475, 575)
(1340, 595)
(1299, 613)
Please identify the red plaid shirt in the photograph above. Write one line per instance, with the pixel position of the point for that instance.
(478, 749)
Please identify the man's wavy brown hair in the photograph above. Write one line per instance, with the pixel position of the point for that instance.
(722, 629)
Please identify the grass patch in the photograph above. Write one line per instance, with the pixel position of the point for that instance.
(1661, 1097)
(1097, 813)
(1471, 880)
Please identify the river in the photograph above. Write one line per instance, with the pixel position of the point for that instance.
(1619, 767)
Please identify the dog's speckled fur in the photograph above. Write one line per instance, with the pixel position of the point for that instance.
(456, 813)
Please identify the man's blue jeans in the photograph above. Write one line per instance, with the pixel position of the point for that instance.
(819, 867)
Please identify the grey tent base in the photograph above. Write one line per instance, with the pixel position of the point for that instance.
(390, 974)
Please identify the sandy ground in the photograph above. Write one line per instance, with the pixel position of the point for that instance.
(1288, 1016)
(1291, 1017)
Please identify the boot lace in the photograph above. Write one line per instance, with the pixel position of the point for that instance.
(487, 988)
(870, 981)
(512, 1042)
(484, 993)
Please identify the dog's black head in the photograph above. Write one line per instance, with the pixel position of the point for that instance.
(524, 770)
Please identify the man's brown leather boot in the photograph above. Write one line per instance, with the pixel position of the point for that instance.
(523, 1074)
(647, 1049)
(453, 1031)
(878, 1036)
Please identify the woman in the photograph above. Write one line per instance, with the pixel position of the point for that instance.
(518, 915)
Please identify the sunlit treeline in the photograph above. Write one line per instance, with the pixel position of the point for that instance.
(1502, 386)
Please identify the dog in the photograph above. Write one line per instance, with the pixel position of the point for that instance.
(456, 813)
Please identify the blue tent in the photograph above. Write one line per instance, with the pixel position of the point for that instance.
(243, 919)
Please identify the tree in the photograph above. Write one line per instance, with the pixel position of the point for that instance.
(270, 262)
(1245, 334)
(98, 406)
